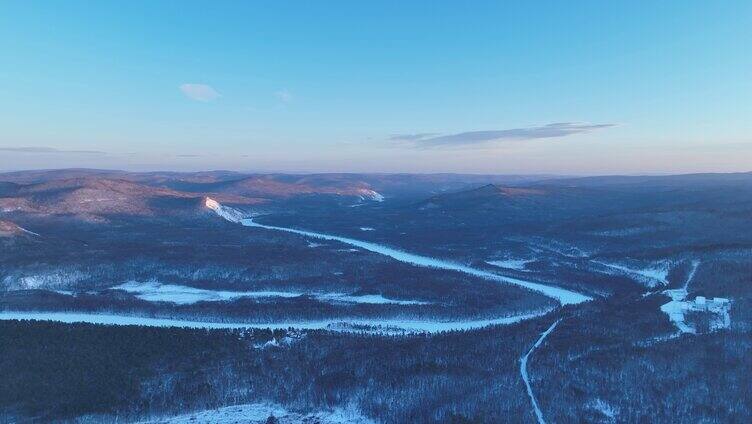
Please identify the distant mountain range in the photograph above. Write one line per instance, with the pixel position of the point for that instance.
(91, 194)
(94, 194)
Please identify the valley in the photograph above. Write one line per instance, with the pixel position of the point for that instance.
(302, 269)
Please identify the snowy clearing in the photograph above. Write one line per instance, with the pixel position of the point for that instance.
(374, 299)
(258, 413)
(515, 264)
(608, 411)
(555, 246)
(368, 194)
(650, 277)
(184, 295)
(715, 309)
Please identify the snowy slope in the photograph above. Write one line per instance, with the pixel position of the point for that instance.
(230, 214)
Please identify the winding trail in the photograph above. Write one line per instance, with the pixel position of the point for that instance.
(525, 378)
(691, 276)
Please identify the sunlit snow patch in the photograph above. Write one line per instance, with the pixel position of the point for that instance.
(369, 194)
(230, 214)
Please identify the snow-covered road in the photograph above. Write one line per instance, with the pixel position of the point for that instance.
(525, 377)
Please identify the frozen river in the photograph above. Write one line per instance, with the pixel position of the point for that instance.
(349, 325)
(390, 326)
(563, 296)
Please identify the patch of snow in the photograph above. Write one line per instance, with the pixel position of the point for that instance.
(230, 214)
(651, 277)
(183, 295)
(290, 338)
(608, 410)
(515, 264)
(258, 413)
(270, 343)
(555, 246)
(29, 232)
(678, 307)
(369, 194)
(374, 299)
(676, 294)
(51, 281)
(717, 309)
(621, 232)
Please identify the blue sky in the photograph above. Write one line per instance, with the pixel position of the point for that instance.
(423, 86)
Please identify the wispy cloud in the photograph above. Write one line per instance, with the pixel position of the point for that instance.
(284, 95)
(200, 92)
(188, 156)
(411, 137)
(49, 150)
(555, 130)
